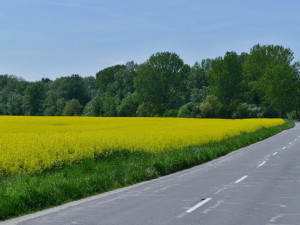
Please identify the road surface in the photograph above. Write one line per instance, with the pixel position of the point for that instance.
(259, 184)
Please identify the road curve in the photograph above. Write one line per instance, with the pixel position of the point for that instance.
(259, 184)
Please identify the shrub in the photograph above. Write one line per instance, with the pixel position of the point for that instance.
(170, 113)
(188, 110)
(210, 108)
(292, 115)
(72, 108)
(241, 112)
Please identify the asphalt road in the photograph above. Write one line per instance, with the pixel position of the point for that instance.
(259, 184)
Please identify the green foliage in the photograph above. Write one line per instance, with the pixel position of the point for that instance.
(109, 105)
(210, 107)
(72, 108)
(189, 110)
(245, 110)
(34, 95)
(14, 104)
(198, 95)
(266, 78)
(226, 78)
(128, 106)
(255, 66)
(279, 84)
(11, 88)
(106, 76)
(292, 115)
(144, 109)
(241, 112)
(93, 107)
(161, 80)
(73, 87)
(170, 113)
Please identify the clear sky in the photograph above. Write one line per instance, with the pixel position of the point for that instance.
(53, 38)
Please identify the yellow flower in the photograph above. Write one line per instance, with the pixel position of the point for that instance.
(35, 144)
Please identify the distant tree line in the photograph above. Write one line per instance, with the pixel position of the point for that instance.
(262, 83)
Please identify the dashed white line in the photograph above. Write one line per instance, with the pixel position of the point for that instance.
(198, 205)
(284, 148)
(242, 178)
(261, 164)
(275, 153)
(291, 143)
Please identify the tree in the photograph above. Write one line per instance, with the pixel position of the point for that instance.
(71, 87)
(11, 88)
(188, 110)
(210, 107)
(161, 81)
(14, 104)
(106, 76)
(128, 106)
(255, 66)
(33, 99)
(198, 95)
(279, 84)
(197, 78)
(73, 108)
(226, 78)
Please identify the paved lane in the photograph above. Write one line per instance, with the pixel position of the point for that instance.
(259, 184)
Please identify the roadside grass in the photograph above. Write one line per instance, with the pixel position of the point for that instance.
(22, 194)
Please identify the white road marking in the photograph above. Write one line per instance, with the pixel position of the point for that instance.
(242, 178)
(291, 143)
(261, 164)
(198, 205)
(284, 148)
(275, 153)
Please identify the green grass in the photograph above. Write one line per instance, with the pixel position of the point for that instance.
(22, 194)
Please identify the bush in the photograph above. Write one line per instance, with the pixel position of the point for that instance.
(210, 108)
(128, 106)
(170, 113)
(144, 110)
(268, 112)
(189, 110)
(291, 115)
(241, 112)
(72, 108)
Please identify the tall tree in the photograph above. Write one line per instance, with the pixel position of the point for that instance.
(256, 64)
(73, 86)
(106, 76)
(279, 84)
(34, 95)
(226, 78)
(161, 81)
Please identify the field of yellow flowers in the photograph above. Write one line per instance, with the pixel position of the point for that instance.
(34, 144)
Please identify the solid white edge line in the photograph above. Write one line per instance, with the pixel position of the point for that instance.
(198, 205)
(275, 153)
(261, 164)
(242, 178)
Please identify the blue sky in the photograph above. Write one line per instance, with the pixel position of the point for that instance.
(53, 38)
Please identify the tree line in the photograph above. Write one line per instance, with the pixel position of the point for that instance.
(261, 83)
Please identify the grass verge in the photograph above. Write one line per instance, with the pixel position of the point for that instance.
(22, 194)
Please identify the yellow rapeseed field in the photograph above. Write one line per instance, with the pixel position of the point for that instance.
(33, 144)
